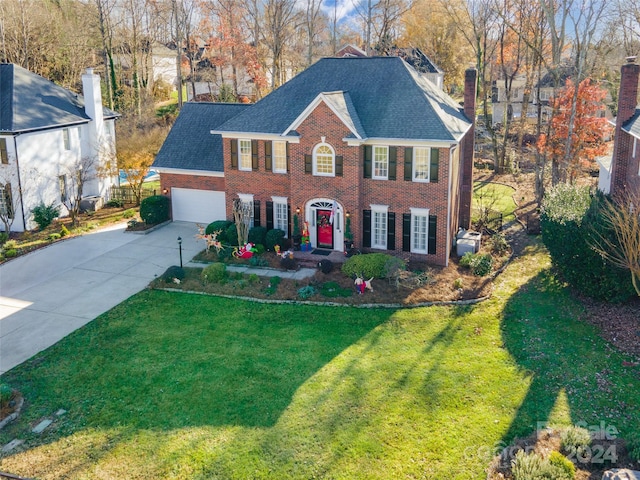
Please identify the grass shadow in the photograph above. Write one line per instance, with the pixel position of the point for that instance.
(564, 357)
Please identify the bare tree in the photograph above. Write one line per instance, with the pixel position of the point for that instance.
(242, 212)
(280, 20)
(624, 250)
(10, 200)
(75, 177)
(312, 24)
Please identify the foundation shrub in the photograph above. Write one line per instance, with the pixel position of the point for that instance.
(154, 209)
(377, 265)
(257, 235)
(214, 273)
(274, 237)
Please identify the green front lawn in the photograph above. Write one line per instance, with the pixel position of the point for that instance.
(173, 385)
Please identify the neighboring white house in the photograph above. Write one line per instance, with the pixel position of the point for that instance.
(47, 133)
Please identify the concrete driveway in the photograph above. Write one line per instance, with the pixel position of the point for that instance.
(51, 292)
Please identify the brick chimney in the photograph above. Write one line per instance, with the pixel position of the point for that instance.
(623, 144)
(468, 145)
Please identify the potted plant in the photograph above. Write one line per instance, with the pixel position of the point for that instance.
(348, 236)
(296, 237)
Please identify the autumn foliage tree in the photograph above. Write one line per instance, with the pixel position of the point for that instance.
(586, 141)
(136, 151)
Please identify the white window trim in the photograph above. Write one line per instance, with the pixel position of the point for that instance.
(373, 163)
(413, 166)
(281, 201)
(66, 139)
(248, 198)
(315, 165)
(240, 166)
(273, 157)
(419, 212)
(379, 209)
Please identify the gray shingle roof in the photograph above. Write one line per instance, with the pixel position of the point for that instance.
(632, 125)
(190, 145)
(30, 102)
(387, 95)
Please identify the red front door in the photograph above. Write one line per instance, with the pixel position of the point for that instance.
(324, 229)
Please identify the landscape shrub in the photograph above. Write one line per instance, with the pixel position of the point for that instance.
(256, 261)
(253, 278)
(458, 283)
(562, 465)
(221, 225)
(257, 235)
(274, 237)
(43, 215)
(273, 285)
(64, 231)
(288, 263)
(54, 236)
(154, 209)
(569, 219)
(12, 252)
(306, 292)
(172, 272)
(480, 264)
(375, 265)
(225, 254)
(231, 235)
(466, 259)
(574, 440)
(325, 266)
(129, 213)
(3, 238)
(498, 244)
(10, 245)
(214, 273)
(114, 204)
(5, 394)
(259, 248)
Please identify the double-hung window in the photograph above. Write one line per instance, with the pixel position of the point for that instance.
(66, 137)
(280, 214)
(244, 154)
(280, 157)
(380, 162)
(419, 230)
(421, 156)
(379, 220)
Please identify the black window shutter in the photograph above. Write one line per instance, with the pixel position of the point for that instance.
(435, 165)
(234, 153)
(288, 221)
(287, 145)
(433, 224)
(267, 156)
(406, 232)
(366, 228)
(408, 164)
(339, 165)
(367, 161)
(269, 215)
(308, 164)
(254, 154)
(393, 160)
(256, 213)
(391, 231)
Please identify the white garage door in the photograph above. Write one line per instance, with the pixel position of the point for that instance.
(202, 206)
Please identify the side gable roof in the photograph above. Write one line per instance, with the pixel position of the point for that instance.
(389, 98)
(190, 145)
(29, 102)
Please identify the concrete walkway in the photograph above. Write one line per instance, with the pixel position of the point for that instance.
(49, 293)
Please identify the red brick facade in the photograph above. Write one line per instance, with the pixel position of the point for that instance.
(625, 169)
(351, 191)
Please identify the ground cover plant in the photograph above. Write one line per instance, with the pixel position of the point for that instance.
(174, 385)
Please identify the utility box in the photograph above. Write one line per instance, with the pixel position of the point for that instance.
(91, 203)
(468, 241)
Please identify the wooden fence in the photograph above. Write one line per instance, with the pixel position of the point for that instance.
(125, 194)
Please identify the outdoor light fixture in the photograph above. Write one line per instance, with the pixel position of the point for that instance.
(348, 214)
(165, 191)
(180, 247)
(298, 210)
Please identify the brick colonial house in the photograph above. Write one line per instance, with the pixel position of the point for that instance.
(620, 173)
(366, 138)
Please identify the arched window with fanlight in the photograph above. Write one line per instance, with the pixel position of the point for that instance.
(324, 160)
